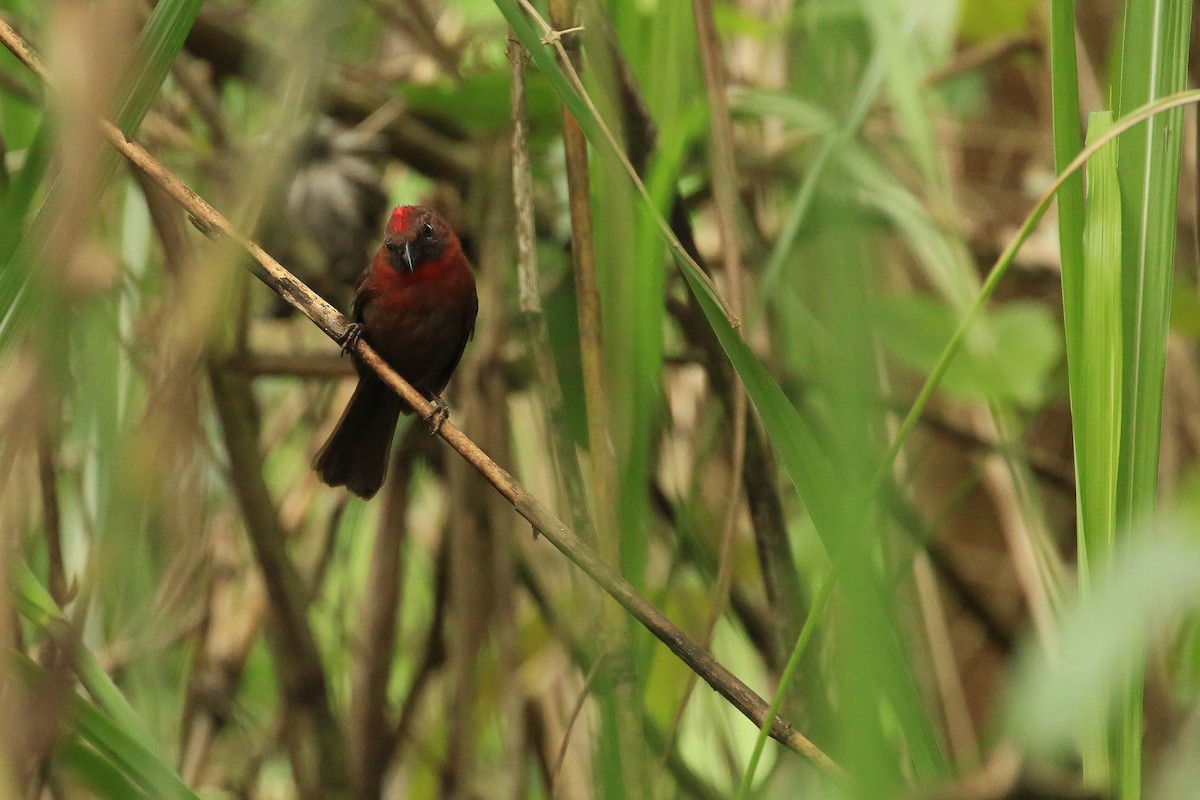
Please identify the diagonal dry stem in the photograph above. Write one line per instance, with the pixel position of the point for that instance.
(327, 318)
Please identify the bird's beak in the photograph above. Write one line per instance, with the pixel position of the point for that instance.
(408, 257)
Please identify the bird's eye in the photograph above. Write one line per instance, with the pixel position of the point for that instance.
(392, 245)
(427, 230)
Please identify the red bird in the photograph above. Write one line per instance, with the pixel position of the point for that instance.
(416, 306)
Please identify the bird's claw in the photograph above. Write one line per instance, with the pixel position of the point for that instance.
(349, 339)
(435, 418)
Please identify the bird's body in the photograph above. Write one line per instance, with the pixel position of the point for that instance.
(415, 305)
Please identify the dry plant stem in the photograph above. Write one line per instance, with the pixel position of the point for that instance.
(296, 656)
(434, 654)
(773, 547)
(959, 730)
(724, 182)
(555, 39)
(629, 745)
(777, 563)
(320, 367)
(587, 292)
(566, 463)
(368, 728)
(572, 718)
(656, 739)
(984, 54)
(919, 530)
(537, 733)
(495, 236)
(725, 210)
(422, 27)
(474, 524)
(230, 52)
(724, 171)
(327, 318)
(51, 519)
(1002, 485)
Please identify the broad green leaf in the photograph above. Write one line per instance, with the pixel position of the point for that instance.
(1011, 355)
(479, 103)
(987, 19)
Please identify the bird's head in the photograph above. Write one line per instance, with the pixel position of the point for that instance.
(417, 236)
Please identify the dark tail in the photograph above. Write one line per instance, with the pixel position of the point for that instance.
(356, 453)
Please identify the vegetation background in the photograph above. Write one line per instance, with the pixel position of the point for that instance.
(781, 332)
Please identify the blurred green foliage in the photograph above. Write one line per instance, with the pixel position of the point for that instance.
(882, 166)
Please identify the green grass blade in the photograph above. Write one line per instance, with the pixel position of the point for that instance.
(95, 771)
(1153, 65)
(789, 670)
(35, 604)
(157, 45)
(1154, 60)
(1064, 89)
(1000, 269)
(16, 207)
(790, 435)
(112, 727)
(843, 133)
(794, 441)
(1097, 417)
(1064, 85)
(1096, 390)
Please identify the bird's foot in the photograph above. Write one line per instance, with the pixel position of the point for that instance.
(440, 413)
(349, 340)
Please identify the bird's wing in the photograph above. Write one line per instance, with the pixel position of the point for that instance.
(468, 331)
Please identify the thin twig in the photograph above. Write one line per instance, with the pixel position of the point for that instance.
(984, 54)
(577, 84)
(423, 28)
(596, 388)
(51, 518)
(724, 182)
(591, 346)
(585, 691)
(777, 564)
(693, 784)
(230, 52)
(434, 653)
(322, 773)
(566, 463)
(291, 639)
(960, 732)
(327, 318)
